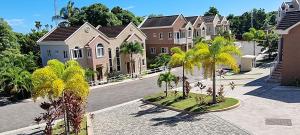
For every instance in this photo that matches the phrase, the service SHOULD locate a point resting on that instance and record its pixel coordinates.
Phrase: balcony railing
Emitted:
(180, 40)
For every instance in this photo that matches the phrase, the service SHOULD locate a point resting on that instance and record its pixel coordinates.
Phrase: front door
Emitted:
(99, 73)
(128, 67)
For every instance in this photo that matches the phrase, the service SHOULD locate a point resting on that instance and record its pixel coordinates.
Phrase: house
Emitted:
(166, 32)
(95, 48)
(287, 67)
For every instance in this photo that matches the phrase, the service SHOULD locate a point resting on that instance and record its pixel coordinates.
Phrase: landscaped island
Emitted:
(197, 103)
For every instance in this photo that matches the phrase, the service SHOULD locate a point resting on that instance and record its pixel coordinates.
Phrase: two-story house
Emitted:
(95, 48)
(166, 32)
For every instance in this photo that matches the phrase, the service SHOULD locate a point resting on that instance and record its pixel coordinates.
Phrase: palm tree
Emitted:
(38, 25)
(186, 60)
(66, 13)
(167, 78)
(131, 48)
(219, 52)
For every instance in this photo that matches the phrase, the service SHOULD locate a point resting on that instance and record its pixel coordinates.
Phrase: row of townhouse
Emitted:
(166, 32)
(97, 48)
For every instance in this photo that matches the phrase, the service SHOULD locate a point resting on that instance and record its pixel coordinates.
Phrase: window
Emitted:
(152, 50)
(110, 60)
(154, 34)
(89, 52)
(65, 54)
(143, 61)
(170, 35)
(118, 59)
(164, 50)
(49, 53)
(182, 34)
(190, 32)
(77, 53)
(160, 35)
(100, 50)
(177, 35)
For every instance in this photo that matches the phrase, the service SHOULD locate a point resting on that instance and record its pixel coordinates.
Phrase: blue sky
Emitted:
(21, 14)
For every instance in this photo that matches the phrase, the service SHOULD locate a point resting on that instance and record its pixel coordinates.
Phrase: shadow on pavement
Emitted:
(173, 120)
(266, 90)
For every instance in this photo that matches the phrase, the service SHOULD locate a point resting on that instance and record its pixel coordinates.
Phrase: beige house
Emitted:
(95, 48)
(166, 32)
(285, 7)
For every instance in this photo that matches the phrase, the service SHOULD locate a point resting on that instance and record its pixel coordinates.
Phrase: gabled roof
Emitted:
(112, 31)
(289, 19)
(191, 19)
(208, 19)
(61, 33)
(159, 21)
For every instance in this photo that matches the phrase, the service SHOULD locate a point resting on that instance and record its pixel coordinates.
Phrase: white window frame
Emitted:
(154, 34)
(118, 57)
(66, 54)
(77, 51)
(152, 50)
(164, 48)
(161, 36)
(170, 35)
(100, 48)
(49, 53)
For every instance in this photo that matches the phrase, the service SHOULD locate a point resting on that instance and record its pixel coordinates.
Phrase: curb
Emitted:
(89, 126)
(192, 113)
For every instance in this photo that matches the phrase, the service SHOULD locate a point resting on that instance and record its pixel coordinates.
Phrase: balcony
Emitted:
(180, 41)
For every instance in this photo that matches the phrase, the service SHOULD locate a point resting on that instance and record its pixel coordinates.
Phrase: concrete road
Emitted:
(19, 115)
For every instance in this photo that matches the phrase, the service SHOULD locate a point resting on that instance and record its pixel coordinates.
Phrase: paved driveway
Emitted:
(140, 119)
(19, 115)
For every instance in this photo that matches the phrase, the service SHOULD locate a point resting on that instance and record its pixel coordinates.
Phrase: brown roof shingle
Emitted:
(208, 19)
(289, 19)
(191, 19)
(159, 21)
(112, 31)
(61, 33)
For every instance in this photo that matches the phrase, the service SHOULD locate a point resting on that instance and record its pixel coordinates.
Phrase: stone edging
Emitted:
(89, 126)
(187, 112)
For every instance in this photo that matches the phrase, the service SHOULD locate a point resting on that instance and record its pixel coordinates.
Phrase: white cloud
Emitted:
(129, 7)
(15, 22)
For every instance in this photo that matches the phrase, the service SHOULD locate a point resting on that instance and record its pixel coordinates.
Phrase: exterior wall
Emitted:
(57, 52)
(158, 48)
(154, 38)
(291, 56)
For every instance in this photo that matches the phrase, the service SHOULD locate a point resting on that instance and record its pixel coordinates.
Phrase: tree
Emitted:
(219, 52)
(65, 83)
(186, 60)
(255, 36)
(211, 12)
(131, 48)
(167, 78)
(38, 25)
(66, 13)
(161, 60)
(270, 43)
(7, 37)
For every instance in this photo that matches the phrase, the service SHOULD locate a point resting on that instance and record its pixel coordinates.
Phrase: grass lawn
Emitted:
(190, 103)
(58, 129)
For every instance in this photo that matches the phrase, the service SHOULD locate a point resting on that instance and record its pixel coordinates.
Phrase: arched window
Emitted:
(189, 32)
(118, 59)
(99, 50)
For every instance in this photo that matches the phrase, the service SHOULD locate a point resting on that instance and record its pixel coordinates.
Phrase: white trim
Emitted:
(75, 31)
(46, 35)
(132, 24)
(196, 21)
(286, 31)
(178, 18)
(142, 22)
(159, 27)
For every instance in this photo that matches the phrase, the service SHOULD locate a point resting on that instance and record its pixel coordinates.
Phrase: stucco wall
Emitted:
(57, 52)
(156, 40)
(291, 57)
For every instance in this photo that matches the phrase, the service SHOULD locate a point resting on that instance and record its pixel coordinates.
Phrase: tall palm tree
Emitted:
(186, 60)
(66, 13)
(219, 52)
(131, 48)
(167, 78)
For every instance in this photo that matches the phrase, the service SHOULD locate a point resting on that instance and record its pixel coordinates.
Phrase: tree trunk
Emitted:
(183, 83)
(66, 121)
(166, 89)
(131, 65)
(214, 84)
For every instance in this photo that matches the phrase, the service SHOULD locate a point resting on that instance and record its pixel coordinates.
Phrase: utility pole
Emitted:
(55, 12)
(252, 18)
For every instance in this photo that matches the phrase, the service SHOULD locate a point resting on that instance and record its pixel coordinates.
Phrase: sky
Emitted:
(21, 14)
